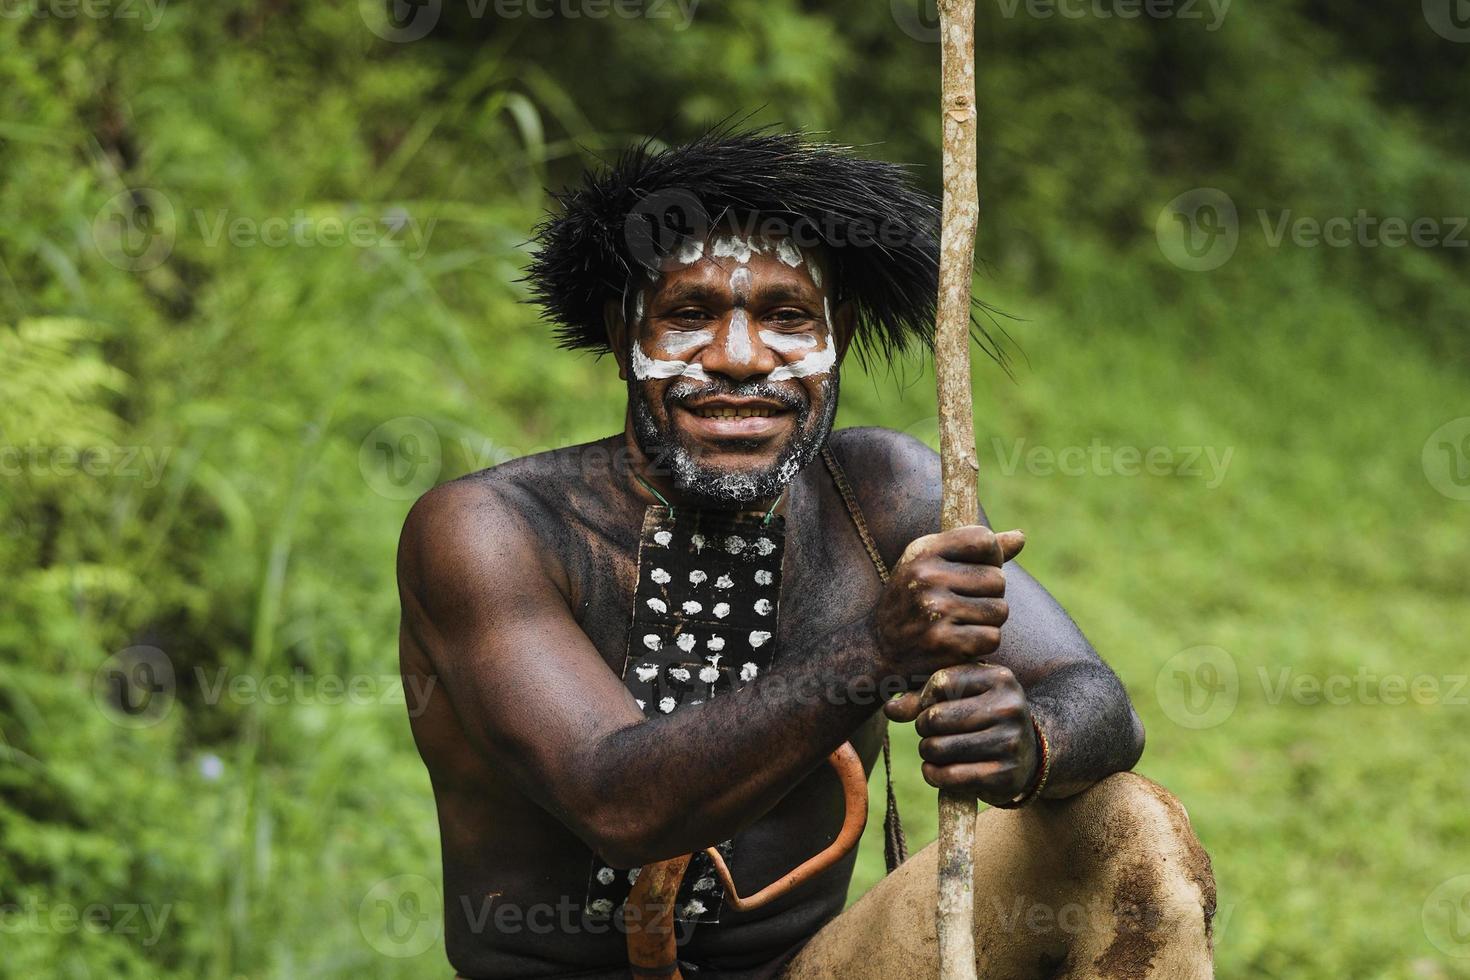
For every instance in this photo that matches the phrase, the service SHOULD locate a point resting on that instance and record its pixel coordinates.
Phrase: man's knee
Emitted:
(1157, 886)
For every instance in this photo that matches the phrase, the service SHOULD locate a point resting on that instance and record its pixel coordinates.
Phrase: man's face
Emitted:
(732, 364)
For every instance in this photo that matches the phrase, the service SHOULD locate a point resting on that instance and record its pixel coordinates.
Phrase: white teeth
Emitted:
(734, 413)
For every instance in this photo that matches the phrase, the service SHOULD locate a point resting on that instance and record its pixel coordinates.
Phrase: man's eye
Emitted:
(689, 315)
(789, 317)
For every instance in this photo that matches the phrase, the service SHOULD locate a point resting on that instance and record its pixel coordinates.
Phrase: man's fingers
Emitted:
(965, 610)
(950, 684)
(960, 683)
(982, 746)
(904, 708)
(974, 544)
(999, 704)
(967, 774)
(1011, 543)
(963, 579)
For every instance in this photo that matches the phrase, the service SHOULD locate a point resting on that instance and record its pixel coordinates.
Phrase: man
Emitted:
(648, 645)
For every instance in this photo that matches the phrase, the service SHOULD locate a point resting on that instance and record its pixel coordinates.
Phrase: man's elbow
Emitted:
(630, 837)
(1134, 740)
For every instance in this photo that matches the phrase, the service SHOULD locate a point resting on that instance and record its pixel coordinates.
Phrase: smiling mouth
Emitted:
(722, 412)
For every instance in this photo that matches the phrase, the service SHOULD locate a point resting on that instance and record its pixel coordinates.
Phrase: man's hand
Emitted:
(976, 731)
(942, 611)
(944, 604)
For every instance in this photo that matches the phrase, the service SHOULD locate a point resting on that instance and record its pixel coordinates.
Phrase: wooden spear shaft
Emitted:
(960, 219)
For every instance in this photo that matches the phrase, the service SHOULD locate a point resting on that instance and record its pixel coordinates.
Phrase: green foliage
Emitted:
(196, 418)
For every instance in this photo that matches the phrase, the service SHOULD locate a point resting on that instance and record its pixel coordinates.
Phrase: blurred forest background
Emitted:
(258, 268)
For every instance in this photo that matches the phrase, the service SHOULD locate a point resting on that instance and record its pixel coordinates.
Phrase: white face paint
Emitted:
(816, 275)
(817, 362)
(788, 343)
(690, 252)
(789, 253)
(737, 248)
(737, 338)
(646, 368)
(678, 343)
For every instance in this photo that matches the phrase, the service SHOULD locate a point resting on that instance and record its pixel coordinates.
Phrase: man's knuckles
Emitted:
(982, 746)
(973, 543)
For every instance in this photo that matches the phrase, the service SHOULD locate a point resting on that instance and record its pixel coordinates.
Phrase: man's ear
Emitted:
(617, 334)
(844, 326)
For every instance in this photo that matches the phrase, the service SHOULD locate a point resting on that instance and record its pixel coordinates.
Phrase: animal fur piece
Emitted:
(880, 232)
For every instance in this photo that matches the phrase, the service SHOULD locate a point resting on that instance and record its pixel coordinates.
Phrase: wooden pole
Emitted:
(955, 907)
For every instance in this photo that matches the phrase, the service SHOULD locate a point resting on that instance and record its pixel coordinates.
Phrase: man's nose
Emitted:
(737, 351)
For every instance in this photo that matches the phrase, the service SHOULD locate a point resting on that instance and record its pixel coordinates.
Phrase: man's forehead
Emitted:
(713, 261)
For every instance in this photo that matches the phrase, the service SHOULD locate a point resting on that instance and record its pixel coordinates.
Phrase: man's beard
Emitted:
(692, 477)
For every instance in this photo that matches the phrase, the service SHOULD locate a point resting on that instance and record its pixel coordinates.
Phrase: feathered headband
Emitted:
(879, 232)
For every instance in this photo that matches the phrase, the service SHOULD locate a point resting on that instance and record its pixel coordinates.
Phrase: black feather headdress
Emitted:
(878, 231)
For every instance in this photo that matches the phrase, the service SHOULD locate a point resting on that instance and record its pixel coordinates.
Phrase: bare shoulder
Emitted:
(895, 478)
(470, 535)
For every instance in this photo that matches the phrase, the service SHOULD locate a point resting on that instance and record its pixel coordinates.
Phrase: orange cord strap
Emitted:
(849, 770)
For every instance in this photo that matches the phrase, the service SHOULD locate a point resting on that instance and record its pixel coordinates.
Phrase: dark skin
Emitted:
(517, 584)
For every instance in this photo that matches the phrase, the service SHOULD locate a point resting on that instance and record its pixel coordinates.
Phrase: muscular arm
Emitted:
(1090, 723)
(537, 700)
